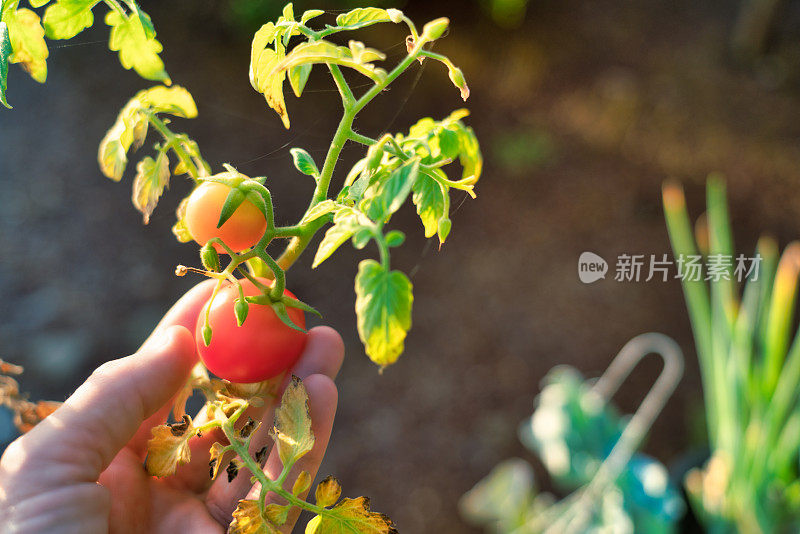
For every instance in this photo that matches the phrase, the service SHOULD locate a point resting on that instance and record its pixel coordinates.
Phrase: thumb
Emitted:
(99, 419)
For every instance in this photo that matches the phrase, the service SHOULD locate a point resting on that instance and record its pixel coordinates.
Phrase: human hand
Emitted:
(81, 469)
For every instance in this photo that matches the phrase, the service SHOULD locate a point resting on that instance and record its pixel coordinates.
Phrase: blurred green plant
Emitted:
(523, 151)
(506, 13)
(587, 448)
(750, 365)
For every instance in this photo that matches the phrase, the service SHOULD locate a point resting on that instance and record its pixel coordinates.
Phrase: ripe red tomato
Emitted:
(244, 228)
(262, 348)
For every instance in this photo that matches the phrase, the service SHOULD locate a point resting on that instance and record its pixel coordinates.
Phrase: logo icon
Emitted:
(591, 267)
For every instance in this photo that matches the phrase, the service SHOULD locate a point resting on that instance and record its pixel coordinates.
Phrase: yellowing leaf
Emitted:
(136, 49)
(302, 483)
(27, 41)
(345, 224)
(168, 448)
(366, 16)
(430, 198)
(247, 519)
(152, 176)
(351, 516)
(292, 429)
(5, 54)
(67, 18)
(175, 100)
(328, 492)
(383, 307)
(263, 60)
(112, 153)
(326, 52)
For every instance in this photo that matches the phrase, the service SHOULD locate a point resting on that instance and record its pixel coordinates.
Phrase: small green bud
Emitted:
(435, 29)
(240, 308)
(457, 77)
(395, 238)
(395, 15)
(210, 258)
(207, 334)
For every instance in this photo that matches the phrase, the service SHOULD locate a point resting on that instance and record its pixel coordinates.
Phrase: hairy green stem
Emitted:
(172, 142)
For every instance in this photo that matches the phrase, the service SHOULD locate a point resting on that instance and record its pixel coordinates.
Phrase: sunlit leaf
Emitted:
(326, 52)
(386, 196)
(350, 516)
(67, 18)
(304, 162)
(28, 46)
(5, 54)
(152, 176)
(247, 519)
(136, 49)
(328, 492)
(365, 16)
(112, 153)
(430, 198)
(292, 429)
(323, 208)
(310, 14)
(383, 307)
(263, 61)
(298, 76)
(168, 448)
(175, 100)
(345, 223)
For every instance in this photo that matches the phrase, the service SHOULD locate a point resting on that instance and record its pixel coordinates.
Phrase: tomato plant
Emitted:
(233, 213)
(259, 348)
(242, 230)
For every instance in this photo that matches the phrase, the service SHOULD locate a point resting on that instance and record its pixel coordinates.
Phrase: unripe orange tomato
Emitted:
(242, 231)
(262, 348)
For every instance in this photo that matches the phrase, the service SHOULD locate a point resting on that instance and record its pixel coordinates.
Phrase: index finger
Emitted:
(185, 311)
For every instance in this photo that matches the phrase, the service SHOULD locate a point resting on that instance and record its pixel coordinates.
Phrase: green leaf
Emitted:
(366, 16)
(67, 18)
(470, 154)
(5, 53)
(310, 14)
(27, 41)
(385, 197)
(152, 176)
(263, 76)
(136, 50)
(38, 3)
(323, 208)
(430, 198)
(298, 76)
(304, 162)
(350, 516)
(292, 427)
(395, 238)
(356, 57)
(175, 100)
(383, 307)
(346, 222)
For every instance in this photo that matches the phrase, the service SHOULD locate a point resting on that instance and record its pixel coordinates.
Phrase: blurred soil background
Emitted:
(583, 109)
